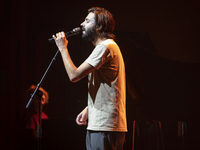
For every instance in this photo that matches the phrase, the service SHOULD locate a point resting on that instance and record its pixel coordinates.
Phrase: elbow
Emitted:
(73, 79)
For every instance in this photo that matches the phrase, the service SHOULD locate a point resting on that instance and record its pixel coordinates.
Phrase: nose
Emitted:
(82, 24)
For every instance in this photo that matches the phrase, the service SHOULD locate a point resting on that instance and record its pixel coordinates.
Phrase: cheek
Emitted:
(90, 25)
(92, 22)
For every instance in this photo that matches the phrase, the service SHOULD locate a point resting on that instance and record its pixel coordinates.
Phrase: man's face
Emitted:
(89, 32)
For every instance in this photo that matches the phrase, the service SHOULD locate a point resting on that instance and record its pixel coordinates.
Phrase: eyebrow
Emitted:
(86, 19)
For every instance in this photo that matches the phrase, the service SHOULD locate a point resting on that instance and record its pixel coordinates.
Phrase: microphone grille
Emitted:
(77, 30)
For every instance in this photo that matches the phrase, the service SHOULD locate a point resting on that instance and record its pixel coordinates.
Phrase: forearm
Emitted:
(85, 111)
(70, 68)
(75, 74)
(86, 108)
(69, 65)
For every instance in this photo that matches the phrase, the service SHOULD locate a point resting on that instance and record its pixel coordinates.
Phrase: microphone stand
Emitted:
(76, 31)
(39, 84)
(39, 94)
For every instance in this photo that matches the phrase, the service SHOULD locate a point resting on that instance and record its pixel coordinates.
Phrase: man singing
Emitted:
(106, 110)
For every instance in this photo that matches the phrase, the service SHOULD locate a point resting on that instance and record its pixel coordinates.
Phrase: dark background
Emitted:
(159, 41)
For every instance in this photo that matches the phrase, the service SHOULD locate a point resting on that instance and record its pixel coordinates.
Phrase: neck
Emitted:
(98, 40)
(36, 109)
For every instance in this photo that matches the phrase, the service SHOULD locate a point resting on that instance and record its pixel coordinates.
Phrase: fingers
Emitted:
(80, 121)
(59, 35)
(62, 34)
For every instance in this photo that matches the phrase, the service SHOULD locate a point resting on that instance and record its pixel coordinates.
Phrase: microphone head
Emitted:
(77, 30)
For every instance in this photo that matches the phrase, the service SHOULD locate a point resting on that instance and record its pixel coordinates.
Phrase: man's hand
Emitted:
(82, 117)
(61, 40)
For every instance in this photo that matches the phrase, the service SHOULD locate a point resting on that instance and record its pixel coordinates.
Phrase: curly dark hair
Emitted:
(105, 22)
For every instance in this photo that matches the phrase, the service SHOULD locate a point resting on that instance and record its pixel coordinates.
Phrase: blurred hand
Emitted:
(81, 119)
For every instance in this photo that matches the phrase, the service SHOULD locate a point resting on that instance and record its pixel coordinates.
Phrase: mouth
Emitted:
(83, 30)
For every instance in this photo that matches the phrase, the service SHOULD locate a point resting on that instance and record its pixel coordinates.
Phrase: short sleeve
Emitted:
(98, 56)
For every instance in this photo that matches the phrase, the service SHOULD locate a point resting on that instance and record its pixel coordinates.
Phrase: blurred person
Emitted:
(28, 126)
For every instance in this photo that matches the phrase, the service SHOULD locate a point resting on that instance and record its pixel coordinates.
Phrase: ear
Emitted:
(43, 100)
(98, 28)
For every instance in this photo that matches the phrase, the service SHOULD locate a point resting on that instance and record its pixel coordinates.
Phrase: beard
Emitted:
(89, 35)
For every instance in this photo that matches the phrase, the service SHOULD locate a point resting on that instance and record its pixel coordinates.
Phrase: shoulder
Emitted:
(44, 116)
(110, 44)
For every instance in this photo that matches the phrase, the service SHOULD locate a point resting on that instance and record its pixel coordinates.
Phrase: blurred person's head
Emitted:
(35, 101)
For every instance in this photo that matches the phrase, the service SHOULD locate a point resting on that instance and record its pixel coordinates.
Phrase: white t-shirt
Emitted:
(107, 89)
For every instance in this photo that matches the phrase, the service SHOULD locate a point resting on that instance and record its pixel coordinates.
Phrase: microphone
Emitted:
(75, 31)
